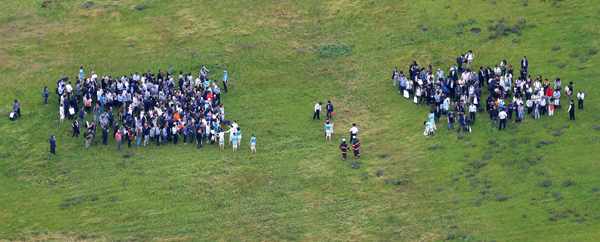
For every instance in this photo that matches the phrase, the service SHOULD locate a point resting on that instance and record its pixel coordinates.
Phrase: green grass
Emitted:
(278, 56)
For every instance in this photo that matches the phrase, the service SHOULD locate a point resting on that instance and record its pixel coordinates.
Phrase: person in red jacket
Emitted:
(356, 147)
(344, 147)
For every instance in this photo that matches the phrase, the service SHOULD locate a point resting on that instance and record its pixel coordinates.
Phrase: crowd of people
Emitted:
(147, 109)
(458, 93)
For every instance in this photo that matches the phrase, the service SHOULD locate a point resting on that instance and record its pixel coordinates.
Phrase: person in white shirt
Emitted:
(69, 88)
(317, 111)
(353, 132)
(580, 97)
(469, 56)
(502, 117)
(94, 76)
(472, 112)
(497, 71)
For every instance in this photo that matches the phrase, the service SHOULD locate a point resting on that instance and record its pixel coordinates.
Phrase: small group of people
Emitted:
(460, 91)
(148, 107)
(329, 130)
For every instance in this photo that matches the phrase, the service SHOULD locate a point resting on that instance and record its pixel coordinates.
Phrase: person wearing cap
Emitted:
(317, 111)
(252, 144)
(356, 147)
(470, 56)
(344, 149)
(52, 144)
(225, 80)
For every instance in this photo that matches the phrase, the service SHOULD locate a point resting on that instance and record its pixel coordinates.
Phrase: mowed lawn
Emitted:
(524, 184)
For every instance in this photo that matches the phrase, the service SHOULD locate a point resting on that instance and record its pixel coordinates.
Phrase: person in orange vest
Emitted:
(344, 147)
(356, 147)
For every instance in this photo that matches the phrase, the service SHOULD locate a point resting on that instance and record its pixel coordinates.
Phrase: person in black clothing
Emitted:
(104, 135)
(437, 114)
(356, 147)
(344, 149)
(524, 64)
(481, 76)
(329, 109)
(459, 62)
(75, 128)
(52, 145)
(571, 111)
(199, 137)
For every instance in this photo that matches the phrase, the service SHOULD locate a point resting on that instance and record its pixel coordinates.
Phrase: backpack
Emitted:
(88, 102)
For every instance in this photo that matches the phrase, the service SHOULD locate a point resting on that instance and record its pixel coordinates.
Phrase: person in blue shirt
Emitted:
(428, 128)
(81, 73)
(225, 80)
(239, 134)
(234, 138)
(253, 144)
(432, 120)
(185, 133)
(165, 133)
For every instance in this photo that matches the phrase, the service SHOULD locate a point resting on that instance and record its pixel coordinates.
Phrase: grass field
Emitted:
(282, 57)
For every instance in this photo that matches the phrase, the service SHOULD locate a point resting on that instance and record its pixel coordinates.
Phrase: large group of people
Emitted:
(147, 108)
(458, 93)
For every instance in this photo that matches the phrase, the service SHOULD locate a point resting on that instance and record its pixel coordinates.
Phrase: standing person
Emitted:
(344, 148)
(88, 138)
(253, 144)
(432, 120)
(199, 137)
(353, 132)
(451, 118)
(329, 109)
(472, 112)
(45, 95)
(97, 112)
(580, 96)
(328, 130)
(17, 108)
(225, 80)
(129, 136)
(75, 128)
(118, 138)
(105, 131)
(459, 61)
(138, 135)
(494, 115)
(235, 142)
(147, 131)
(502, 115)
(503, 65)
(395, 76)
(239, 134)
(537, 110)
(462, 121)
(81, 75)
(524, 63)
(62, 113)
(551, 107)
(317, 111)
(175, 133)
(52, 145)
(470, 56)
(571, 110)
(356, 147)
(221, 137)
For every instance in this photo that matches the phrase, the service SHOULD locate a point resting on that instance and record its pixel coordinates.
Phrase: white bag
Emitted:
(415, 99)
(71, 111)
(406, 95)
(12, 114)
